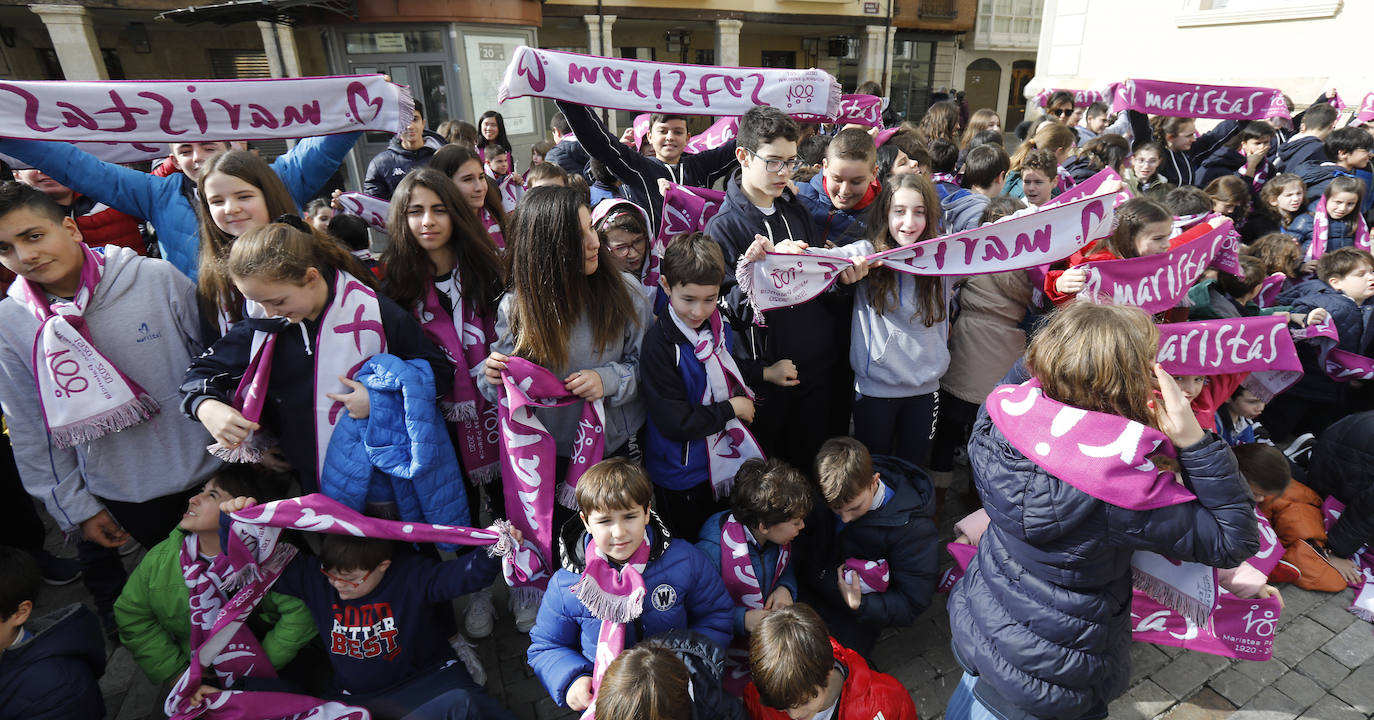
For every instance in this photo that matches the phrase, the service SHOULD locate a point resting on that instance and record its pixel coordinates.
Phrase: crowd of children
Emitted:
(731, 503)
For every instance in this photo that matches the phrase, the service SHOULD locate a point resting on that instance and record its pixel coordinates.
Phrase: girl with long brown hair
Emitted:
(900, 329)
(464, 166)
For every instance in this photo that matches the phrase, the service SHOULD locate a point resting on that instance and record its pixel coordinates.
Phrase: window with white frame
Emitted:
(1008, 23)
(1229, 12)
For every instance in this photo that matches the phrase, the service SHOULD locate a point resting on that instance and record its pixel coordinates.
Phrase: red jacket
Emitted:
(867, 694)
(102, 225)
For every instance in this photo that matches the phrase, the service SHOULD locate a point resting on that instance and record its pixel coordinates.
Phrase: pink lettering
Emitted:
(73, 116)
(580, 74)
(308, 113)
(124, 111)
(232, 109)
(30, 107)
(164, 121)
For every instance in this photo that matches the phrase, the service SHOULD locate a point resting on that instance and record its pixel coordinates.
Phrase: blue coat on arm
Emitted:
(1043, 615)
(764, 560)
(166, 202)
(400, 453)
(682, 592)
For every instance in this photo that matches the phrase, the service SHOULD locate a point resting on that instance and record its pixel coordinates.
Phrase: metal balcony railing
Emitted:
(938, 9)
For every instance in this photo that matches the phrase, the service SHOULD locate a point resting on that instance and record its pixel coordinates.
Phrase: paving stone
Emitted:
(915, 672)
(1352, 646)
(1301, 688)
(1265, 672)
(941, 657)
(1143, 702)
(1205, 704)
(1357, 690)
(1331, 708)
(1333, 614)
(1235, 686)
(1299, 639)
(1145, 660)
(932, 697)
(1269, 704)
(1296, 601)
(1323, 669)
(1188, 672)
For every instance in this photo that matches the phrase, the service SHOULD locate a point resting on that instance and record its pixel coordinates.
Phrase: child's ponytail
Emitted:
(281, 252)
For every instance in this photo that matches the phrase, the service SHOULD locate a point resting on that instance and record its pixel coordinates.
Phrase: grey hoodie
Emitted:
(618, 366)
(894, 355)
(144, 319)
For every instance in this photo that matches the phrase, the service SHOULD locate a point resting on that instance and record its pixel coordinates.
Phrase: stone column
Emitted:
(599, 43)
(279, 43)
(875, 39)
(727, 42)
(73, 38)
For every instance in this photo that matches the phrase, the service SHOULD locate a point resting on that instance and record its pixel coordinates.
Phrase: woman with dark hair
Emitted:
(491, 128)
(464, 166)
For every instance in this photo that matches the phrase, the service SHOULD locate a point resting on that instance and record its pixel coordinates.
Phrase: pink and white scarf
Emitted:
(1191, 100)
(510, 190)
(350, 332)
(1048, 235)
(615, 596)
(529, 454)
(1365, 113)
(493, 227)
(1155, 283)
(733, 445)
(1340, 365)
(866, 110)
(1270, 288)
(373, 210)
(742, 582)
(465, 337)
(83, 395)
(721, 131)
(645, 86)
(685, 210)
(169, 111)
(1321, 230)
(873, 575)
(1260, 346)
(1081, 98)
(1109, 458)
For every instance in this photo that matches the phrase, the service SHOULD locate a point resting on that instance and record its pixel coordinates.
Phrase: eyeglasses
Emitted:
(1062, 112)
(625, 250)
(355, 584)
(774, 166)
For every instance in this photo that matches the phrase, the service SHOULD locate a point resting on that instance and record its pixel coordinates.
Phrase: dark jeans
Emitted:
(150, 521)
(953, 426)
(900, 427)
(440, 694)
(790, 423)
(685, 511)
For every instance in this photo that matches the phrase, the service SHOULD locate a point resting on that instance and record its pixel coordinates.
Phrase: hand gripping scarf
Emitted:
(529, 455)
(465, 337)
(1363, 607)
(83, 395)
(350, 332)
(1340, 365)
(734, 444)
(615, 597)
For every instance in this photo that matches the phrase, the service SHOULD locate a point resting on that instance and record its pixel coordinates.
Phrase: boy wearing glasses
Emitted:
(801, 345)
(382, 613)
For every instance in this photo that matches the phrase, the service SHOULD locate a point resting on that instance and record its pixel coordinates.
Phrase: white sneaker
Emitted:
(480, 617)
(525, 610)
(468, 655)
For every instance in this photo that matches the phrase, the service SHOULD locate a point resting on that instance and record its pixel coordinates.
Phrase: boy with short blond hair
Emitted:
(869, 558)
(801, 672)
(617, 534)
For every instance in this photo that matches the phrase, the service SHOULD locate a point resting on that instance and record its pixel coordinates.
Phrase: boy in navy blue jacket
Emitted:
(876, 510)
(379, 612)
(682, 422)
(1347, 153)
(682, 591)
(805, 347)
(770, 501)
(1343, 295)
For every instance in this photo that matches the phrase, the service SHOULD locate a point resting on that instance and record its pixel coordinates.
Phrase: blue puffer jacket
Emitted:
(1340, 234)
(1043, 615)
(400, 453)
(763, 560)
(166, 202)
(682, 592)
(835, 225)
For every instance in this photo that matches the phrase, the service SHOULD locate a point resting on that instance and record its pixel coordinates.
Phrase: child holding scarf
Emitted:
(1074, 469)
(111, 331)
(624, 580)
(1335, 222)
(316, 323)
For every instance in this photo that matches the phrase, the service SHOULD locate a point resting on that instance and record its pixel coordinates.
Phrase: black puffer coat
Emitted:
(1341, 466)
(1043, 614)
